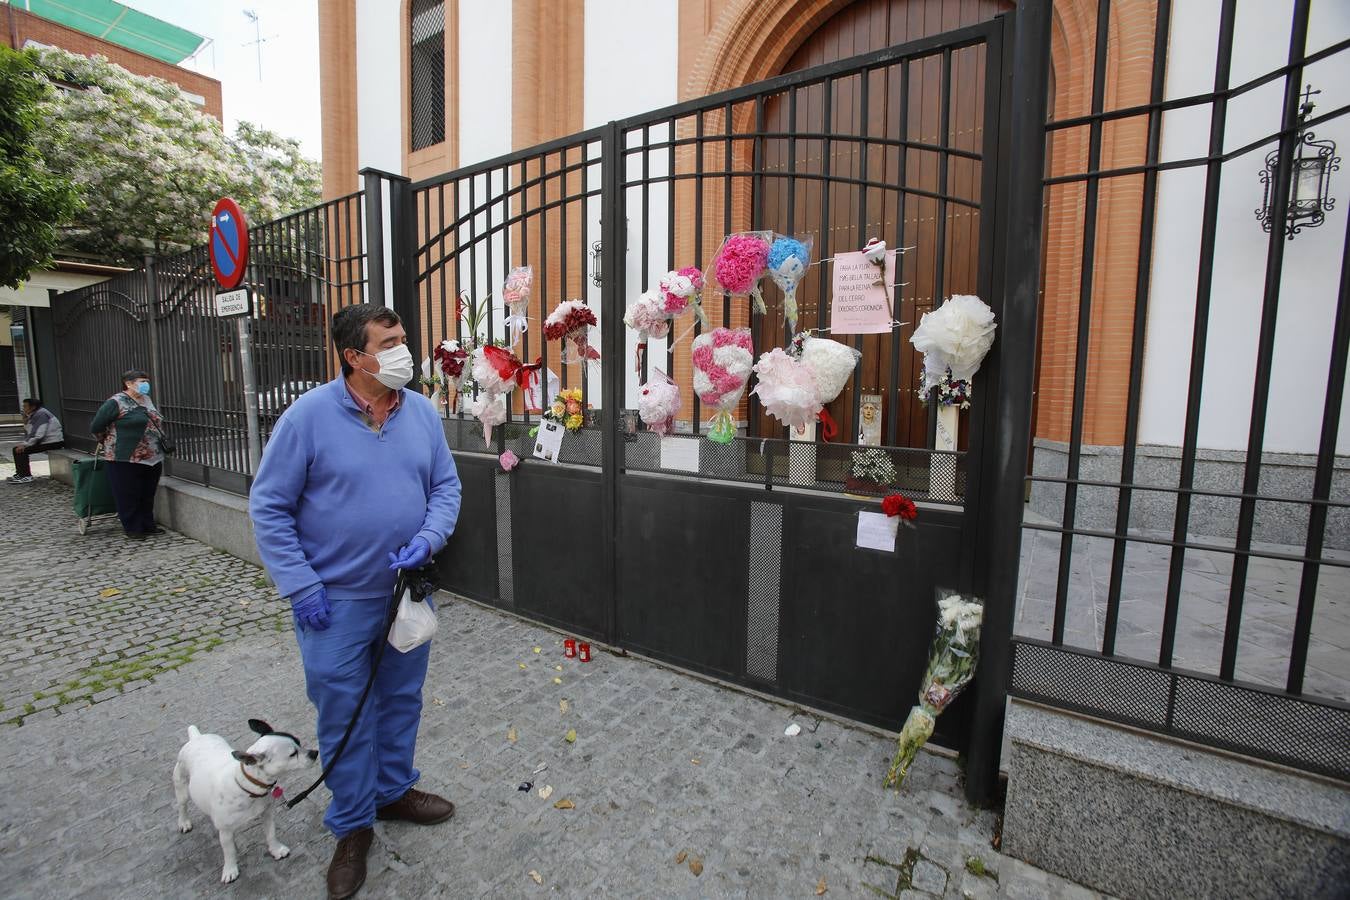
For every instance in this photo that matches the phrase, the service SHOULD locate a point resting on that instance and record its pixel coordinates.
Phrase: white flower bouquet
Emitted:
(951, 666)
(955, 336)
(870, 469)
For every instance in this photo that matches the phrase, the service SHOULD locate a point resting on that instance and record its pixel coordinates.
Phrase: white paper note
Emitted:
(680, 453)
(876, 531)
(549, 441)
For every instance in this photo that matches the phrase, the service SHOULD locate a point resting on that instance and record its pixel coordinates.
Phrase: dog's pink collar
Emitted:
(267, 788)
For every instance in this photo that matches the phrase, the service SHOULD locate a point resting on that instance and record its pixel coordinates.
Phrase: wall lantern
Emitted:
(1310, 178)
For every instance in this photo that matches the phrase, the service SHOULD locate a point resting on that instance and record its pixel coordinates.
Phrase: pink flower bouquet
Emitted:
(490, 409)
(740, 263)
(723, 359)
(658, 402)
(682, 289)
(787, 389)
(516, 296)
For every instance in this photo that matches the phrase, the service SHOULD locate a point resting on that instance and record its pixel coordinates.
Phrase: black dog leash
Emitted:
(421, 589)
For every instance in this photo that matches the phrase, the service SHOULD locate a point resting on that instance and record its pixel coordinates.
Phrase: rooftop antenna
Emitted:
(258, 40)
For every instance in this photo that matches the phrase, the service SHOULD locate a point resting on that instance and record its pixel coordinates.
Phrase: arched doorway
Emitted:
(895, 108)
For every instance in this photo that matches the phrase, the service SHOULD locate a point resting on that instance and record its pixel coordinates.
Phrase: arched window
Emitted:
(427, 73)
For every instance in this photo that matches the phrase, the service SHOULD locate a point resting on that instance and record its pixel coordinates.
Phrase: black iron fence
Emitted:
(874, 146)
(161, 318)
(1223, 628)
(739, 559)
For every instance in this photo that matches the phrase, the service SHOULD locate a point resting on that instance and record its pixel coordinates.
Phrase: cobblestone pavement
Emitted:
(678, 787)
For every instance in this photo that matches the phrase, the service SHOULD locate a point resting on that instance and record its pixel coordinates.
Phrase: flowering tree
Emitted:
(150, 164)
(34, 199)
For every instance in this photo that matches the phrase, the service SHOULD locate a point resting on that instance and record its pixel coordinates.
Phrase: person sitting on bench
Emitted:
(42, 432)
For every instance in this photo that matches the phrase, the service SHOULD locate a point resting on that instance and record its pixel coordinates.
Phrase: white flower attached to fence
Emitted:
(955, 336)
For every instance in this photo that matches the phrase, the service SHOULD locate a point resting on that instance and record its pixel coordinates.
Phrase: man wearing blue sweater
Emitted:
(356, 483)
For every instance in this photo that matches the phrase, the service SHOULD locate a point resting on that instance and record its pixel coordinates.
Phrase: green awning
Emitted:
(121, 25)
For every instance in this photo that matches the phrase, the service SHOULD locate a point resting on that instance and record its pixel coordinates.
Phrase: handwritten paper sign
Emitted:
(862, 302)
(877, 531)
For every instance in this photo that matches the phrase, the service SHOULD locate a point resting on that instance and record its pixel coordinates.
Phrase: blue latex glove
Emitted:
(312, 610)
(413, 555)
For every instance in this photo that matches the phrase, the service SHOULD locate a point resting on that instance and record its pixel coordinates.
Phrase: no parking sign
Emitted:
(229, 243)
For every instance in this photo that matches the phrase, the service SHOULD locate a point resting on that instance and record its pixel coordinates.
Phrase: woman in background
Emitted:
(129, 430)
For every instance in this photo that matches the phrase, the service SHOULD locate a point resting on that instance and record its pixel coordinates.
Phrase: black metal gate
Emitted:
(739, 560)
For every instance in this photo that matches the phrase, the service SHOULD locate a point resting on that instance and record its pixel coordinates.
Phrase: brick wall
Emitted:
(1115, 258)
(19, 27)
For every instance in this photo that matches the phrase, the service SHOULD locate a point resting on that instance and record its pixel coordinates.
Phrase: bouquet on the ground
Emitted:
(723, 359)
(954, 339)
(682, 289)
(570, 322)
(658, 402)
(740, 263)
(951, 666)
(516, 296)
(567, 409)
(788, 261)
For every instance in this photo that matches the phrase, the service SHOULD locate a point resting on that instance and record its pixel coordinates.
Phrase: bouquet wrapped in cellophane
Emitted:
(951, 666)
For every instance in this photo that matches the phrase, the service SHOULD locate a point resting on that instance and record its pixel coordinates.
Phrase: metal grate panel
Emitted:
(1113, 689)
(1263, 724)
(505, 567)
(1307, 735)
(427, 73)
(766, 569)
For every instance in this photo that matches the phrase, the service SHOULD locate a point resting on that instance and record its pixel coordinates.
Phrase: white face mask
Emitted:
(396, 366)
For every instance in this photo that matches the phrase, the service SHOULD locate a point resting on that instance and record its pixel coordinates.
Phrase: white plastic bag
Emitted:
(414, 623)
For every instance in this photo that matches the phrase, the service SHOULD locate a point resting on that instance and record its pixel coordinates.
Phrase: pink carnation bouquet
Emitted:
(786, 388)
(570, 322)
(740, 263)
(658, 402)
(647, 316)
(682, 289)
(516, 296)
(723, 359)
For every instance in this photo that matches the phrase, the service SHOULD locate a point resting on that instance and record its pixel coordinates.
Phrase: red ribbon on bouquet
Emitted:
(828, 428)
(509, 368)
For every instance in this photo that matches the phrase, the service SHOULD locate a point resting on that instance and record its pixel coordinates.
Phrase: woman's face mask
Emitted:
(143, 388)
(396, 366)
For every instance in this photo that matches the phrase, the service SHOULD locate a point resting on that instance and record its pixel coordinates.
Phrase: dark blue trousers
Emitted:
(133, 488)
(377, 767)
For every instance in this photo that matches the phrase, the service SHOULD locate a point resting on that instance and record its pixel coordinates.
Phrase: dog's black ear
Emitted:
(247, 759)
(259, 726)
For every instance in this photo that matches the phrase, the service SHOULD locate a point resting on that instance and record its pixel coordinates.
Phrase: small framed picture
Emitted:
(628, 424)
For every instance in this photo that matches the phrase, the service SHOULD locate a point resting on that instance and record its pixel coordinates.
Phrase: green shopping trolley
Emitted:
(93, 493)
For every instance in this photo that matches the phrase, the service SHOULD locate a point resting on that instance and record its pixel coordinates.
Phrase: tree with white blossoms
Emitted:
(150, 164)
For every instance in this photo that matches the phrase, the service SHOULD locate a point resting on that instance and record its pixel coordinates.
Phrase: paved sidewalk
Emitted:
(668, 773)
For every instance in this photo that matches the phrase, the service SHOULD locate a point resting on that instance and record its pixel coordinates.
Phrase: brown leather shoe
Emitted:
(347, 871)
(418, 807)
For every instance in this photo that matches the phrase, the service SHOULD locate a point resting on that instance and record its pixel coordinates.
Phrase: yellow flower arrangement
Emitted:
(568, 408)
